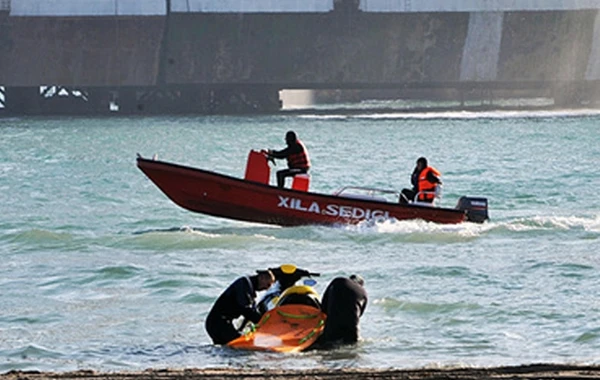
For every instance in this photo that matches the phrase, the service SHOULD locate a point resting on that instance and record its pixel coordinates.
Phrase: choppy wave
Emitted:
(190, 238)
(557, 223)
(31, 351)
(32, 357)
(114, 272)
(39, 236)
(392, 304)
(238, 237)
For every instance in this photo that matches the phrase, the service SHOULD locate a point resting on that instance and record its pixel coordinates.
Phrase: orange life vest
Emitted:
(426, 186)
(299, 160)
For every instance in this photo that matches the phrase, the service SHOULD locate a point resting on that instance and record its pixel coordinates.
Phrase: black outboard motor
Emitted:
(475, 208)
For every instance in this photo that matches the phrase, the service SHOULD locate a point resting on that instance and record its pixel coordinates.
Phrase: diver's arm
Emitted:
(252, 314)
(245, 300)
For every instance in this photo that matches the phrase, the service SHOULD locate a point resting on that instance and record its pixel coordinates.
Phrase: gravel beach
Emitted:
(545, 371)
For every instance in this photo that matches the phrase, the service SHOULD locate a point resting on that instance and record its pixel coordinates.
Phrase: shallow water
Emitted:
(101, 271)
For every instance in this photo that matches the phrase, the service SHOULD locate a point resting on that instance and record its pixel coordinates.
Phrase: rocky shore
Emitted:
(542, 371)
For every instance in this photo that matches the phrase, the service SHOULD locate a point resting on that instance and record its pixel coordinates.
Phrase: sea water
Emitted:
(100, 270)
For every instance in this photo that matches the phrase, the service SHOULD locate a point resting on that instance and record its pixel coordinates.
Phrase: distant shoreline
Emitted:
(335, 109)
(534, 371)
(434, 109)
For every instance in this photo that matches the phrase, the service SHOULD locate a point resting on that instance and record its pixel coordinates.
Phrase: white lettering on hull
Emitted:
(335, 210)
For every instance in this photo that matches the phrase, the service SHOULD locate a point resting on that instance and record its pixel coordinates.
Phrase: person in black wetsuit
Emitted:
(296, 155)
(344, 302)
(237, 300)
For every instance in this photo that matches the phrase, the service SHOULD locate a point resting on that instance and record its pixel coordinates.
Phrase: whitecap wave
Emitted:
(560, 223)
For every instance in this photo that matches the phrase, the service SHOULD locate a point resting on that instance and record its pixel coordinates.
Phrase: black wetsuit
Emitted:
(238, 299)
(344, 302)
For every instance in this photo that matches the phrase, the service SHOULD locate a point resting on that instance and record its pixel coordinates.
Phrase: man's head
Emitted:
(421, 163)
(265, 279)
(358, 279)
(290, 137)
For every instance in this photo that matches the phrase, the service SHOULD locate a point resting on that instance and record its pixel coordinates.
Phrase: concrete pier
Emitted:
(198, 57)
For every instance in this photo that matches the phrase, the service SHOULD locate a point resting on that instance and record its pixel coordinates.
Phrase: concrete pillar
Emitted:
(593, 67)
(482, 47)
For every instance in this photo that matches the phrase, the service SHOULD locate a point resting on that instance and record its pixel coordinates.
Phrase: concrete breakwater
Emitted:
(211, 61)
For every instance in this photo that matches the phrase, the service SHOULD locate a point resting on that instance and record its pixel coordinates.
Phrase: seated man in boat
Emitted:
(239, 299)
(425, 180)
(296, 155)
(344, 302)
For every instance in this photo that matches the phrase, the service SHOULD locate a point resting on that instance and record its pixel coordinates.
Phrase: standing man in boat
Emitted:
(296, 155)
(425, 180)
(239, 299)
(344, 302)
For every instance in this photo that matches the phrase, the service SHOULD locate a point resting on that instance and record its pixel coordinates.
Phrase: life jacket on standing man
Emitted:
(296, 155)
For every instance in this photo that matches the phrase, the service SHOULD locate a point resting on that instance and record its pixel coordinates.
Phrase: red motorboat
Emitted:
(253, 199)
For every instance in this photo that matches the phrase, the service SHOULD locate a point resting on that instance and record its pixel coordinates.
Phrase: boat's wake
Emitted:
(416, 230)
(422, 228)
(409, 231)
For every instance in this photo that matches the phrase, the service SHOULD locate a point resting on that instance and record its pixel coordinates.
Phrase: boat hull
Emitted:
(219, 195)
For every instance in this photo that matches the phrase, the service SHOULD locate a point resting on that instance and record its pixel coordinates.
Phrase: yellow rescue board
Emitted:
(286, 328)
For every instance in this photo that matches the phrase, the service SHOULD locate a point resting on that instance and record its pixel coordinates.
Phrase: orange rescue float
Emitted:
(293, 325)
(287, 328)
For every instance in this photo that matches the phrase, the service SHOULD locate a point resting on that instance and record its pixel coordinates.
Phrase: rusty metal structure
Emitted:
(215, 56)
